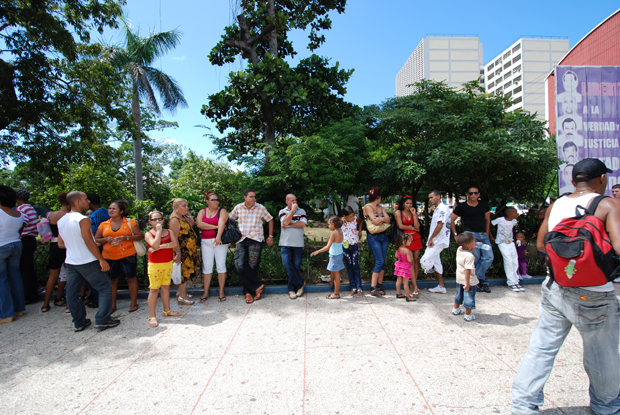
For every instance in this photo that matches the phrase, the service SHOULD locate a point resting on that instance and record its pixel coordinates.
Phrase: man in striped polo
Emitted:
(29, 242)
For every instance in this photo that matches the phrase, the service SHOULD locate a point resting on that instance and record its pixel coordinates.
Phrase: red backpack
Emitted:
(579, 251)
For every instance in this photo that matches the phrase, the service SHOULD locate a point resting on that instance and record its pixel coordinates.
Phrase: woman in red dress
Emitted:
(407, 220)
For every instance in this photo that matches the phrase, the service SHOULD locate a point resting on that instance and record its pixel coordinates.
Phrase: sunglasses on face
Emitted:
(157, 219)
(214, 200)
(474, 193)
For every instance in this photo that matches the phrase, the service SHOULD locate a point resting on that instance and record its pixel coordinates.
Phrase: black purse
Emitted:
(231, 233)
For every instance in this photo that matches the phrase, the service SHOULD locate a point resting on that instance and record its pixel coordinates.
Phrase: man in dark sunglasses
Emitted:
(476, 217)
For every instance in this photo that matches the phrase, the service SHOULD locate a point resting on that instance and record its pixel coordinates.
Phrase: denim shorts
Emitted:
(467, 298)
(124, 267)
(335, 263)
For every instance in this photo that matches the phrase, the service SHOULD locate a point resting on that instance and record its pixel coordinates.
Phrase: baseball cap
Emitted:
(592, 168)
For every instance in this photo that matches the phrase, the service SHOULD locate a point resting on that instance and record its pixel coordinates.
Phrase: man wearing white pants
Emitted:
(505, 242)
(438, 240)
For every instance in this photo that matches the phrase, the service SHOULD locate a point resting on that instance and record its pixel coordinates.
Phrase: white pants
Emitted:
(432, 259)
(211, 252)
(511, 262)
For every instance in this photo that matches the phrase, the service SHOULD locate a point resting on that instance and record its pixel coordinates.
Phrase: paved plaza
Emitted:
(280, 356)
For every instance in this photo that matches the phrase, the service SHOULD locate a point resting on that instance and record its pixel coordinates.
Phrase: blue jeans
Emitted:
(11, 285)
(595, 315)
(99, 280)
(352, 262)
(247, 262)
(378, 244)
(466, 297)
(291, 259)
(484, 259)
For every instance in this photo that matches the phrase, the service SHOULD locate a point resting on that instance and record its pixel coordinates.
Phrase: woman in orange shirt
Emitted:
(117, 236)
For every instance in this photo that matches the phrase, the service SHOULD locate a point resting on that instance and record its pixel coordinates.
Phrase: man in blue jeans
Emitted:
(476, 217)
(593, 310)
(84, 263)
(293, 220)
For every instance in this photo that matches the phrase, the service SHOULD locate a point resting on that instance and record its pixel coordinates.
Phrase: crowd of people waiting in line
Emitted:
(99, 249)
(116, 238)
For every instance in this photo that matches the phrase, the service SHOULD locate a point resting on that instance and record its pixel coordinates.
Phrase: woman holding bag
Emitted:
(212, 221)
(181, 224)
(117, 235)
(377, 223)
(161, 243)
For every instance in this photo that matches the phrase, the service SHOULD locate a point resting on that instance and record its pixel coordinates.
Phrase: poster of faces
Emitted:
(587, 124)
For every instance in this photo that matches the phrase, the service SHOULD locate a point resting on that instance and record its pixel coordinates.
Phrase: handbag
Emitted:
(374, 229)
(140, 248)
(176, 273)
(231, 233)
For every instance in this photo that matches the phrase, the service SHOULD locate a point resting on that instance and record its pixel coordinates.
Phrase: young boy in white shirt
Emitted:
(466, 280)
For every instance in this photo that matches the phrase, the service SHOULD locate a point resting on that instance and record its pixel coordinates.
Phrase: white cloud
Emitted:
(179, 58)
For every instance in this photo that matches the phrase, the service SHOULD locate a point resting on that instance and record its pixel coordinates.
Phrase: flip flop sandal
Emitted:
(249, 299)
(134, 307)
(153, 322)
(222, 299)
(67, 311)
(171, 313)
(203, 299)
(400, 296)
(329, 297)
(59, 302)
(45, 309)
(410, 299)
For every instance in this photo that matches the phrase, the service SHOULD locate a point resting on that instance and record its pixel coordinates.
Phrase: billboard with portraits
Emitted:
(587, 109)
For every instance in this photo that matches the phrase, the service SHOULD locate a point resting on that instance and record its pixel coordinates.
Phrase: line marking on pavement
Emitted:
(462, 326)
(399, 356)
(137, 358)
(29, 333)
(222, 358)
(303, 408)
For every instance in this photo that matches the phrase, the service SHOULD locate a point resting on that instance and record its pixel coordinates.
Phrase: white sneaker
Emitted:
(520, 288)
(514, 288)
(438, 290)
(527, 277)
(292, 295)
(457, 311)
(617, 279)
(469, 317)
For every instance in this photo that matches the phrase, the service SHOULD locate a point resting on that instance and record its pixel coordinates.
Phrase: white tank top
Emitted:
(70, 232)
(9, 228)
(565, 207)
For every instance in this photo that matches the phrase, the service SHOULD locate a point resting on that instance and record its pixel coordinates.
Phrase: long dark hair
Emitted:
(401, 203)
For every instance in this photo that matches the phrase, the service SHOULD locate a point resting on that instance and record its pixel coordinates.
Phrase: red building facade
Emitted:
(598, 48)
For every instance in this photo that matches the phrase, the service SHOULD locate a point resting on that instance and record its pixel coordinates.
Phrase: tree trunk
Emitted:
(137, 143)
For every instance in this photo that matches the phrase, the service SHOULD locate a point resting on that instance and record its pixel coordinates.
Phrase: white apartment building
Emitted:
(454, 60)
(519, 72)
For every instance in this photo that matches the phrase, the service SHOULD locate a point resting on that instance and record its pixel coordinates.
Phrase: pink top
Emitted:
(402, 267)
(211, 233)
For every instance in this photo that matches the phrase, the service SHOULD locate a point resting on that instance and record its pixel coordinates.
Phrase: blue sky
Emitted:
(374, 38)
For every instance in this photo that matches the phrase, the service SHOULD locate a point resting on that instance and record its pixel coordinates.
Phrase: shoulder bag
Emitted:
(372, 228)
(140, 248)
(231, 233)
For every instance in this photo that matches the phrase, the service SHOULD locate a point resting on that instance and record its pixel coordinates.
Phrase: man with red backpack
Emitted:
(575, 294)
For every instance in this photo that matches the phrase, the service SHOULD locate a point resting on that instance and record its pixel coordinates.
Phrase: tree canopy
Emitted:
(270, 99)
(449, 139)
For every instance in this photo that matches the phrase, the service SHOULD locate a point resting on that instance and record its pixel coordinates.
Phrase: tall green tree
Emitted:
(271, 99)
(449, 139)
(136, 58)
(54, 94)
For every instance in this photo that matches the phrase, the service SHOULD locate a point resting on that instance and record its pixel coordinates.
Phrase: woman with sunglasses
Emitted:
(212, 221)
(161, 243)
(476, 217)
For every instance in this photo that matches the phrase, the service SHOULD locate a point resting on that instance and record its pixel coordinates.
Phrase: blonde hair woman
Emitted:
(181, 223)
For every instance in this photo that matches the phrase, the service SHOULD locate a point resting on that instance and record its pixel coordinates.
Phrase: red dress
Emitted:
(416, 242)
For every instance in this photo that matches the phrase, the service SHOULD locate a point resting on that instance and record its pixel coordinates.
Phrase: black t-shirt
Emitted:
(473, 217)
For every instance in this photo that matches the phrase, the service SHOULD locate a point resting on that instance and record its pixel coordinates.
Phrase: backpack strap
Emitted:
(594, 204)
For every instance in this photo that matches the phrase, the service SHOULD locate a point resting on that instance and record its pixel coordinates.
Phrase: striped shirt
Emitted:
(30, 220)
(250, 220)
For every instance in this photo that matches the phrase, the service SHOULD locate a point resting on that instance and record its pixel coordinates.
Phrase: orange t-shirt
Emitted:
(126, 248)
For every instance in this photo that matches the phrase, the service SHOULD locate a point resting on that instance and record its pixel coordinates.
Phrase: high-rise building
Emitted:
(519, 72)
(454, 60)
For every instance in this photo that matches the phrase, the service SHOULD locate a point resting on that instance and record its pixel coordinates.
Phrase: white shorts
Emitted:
(211, 252)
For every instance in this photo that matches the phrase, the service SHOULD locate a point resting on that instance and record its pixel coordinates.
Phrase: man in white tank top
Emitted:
(84, 263)
(592, 310)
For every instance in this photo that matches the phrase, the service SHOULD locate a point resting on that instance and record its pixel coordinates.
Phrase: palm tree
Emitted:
(136, 57)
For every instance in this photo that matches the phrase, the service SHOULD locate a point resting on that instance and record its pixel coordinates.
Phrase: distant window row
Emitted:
(506, 55)
(516, 48)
